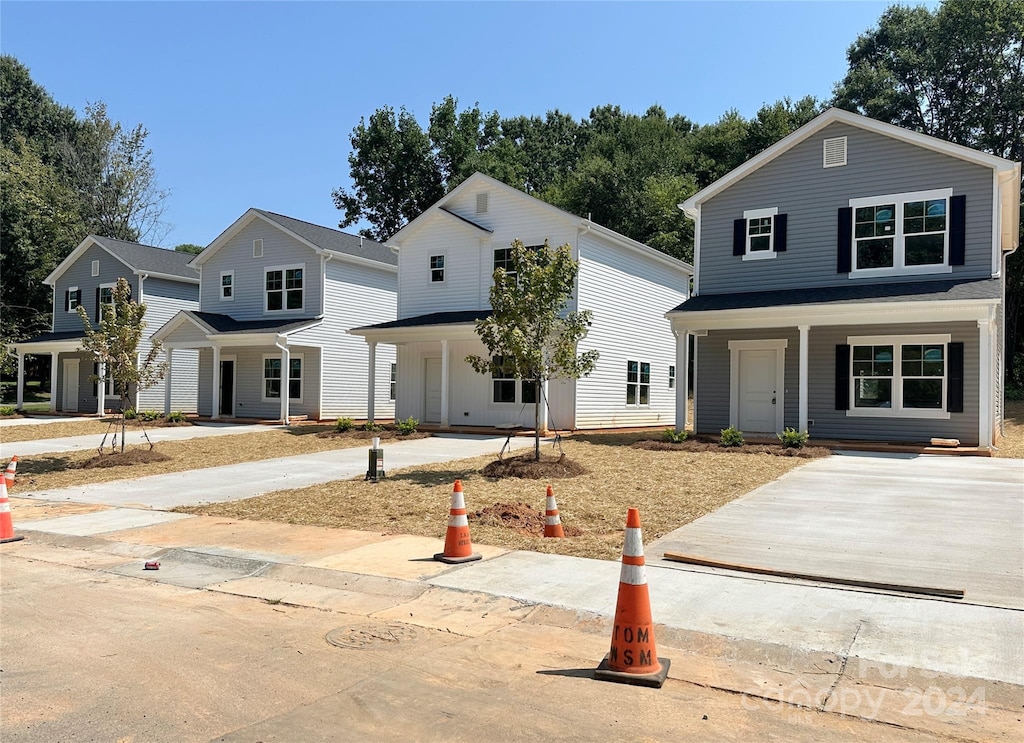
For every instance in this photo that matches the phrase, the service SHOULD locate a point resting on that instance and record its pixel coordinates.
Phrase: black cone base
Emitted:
(442, 557)
(654, 680)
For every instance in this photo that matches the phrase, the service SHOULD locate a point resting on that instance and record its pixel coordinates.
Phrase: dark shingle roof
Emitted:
(64, 335)
(145, 258)
(339, 242)
(912, 291)
(488, 230)
(461, 317)
(226, 324)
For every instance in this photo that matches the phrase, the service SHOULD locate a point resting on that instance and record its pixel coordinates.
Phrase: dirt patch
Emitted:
(697, 445)
(127, 458)
(520, 517)
(524, 466)
(360, 435)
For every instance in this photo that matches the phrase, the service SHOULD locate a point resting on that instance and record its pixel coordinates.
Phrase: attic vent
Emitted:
(95, 268)
(835, 152)
(257, 248)
(482, 202)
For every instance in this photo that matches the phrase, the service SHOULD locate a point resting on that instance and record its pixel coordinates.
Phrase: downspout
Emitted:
(323, 313)
(142, 277)
(285, 374)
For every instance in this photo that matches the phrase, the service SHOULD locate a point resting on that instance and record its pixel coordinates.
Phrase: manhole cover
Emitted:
(366, 636)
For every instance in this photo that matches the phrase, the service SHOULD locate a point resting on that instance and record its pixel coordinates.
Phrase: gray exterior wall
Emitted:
(87, 401)
(811, 195)
(713, 373)
(163, 298)
(80, 274)
(249, 382)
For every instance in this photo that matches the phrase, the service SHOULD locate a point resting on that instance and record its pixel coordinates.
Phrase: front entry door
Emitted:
(432, 392)
(227, 387)
(69, 399)
(758, 393)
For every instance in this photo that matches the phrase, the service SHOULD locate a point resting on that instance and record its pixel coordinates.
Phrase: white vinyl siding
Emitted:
(163, 299)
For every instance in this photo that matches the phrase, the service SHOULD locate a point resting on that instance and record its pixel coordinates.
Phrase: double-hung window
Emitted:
(503, 259)
(902, 233)
(285, 288)
(638, 383)
(436, 268)
(74, 299)
(227, 286)
(671, 377)
(273, 379)
(106, 299)
(759, 241)
(903, 376)
(394, 379)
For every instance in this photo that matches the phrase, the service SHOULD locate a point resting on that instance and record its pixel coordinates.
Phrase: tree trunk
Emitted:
(536, 430)
(124, 402)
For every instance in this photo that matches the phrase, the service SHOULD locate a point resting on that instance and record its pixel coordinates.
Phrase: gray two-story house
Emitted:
(277, 297)
(159, 278)
(849, 283)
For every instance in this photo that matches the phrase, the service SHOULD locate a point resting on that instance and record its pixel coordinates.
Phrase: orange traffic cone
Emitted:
(6, 524)
(552, 521)
(633, 658)
(458, 547)
(9, 472)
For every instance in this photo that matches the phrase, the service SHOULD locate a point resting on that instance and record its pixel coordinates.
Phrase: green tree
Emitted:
(957, 73)
(189, 248)
(115, 343)
(528, 334)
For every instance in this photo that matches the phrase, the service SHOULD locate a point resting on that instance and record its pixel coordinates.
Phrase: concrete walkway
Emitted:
(133, 435)
(38, 420)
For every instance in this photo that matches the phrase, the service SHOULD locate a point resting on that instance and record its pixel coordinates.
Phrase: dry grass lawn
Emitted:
(670, 488)
(1012, 444)
(55, 430)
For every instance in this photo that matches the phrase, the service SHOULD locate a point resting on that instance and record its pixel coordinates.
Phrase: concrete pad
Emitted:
(132, 437)
(27, 510)
(191, 569)
(102, 522)
(405, 557)
(465, 614)
(305, 594)
(260, 540)
(75, 558)
(38, 420)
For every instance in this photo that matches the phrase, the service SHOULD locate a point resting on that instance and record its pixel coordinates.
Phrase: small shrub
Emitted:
(344, 424)
(130, 414)
(372, 427)
(8, 410)
(150, 415)
(176, 416)
(731, 437)
(793, 439)
(671, 437)
(407, 426)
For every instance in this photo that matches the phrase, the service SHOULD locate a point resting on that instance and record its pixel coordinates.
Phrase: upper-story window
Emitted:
(227, 286)
(902, 233)
(74, 298)
(760, 234)
(437, 268)
(284, 288)
(106, 297)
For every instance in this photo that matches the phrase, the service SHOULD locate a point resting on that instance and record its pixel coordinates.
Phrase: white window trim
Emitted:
(759, 255)
(899, 253)
(393, 383)
(431, 269)
(95, 268)
(897, 342)
(111, 302)
(220, 286)
(257, 248)
(284, 378)
(284, 298)
(671, 376)
(639, 384)
(73, 306)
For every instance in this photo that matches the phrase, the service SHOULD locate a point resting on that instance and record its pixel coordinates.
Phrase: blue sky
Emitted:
(251, 104)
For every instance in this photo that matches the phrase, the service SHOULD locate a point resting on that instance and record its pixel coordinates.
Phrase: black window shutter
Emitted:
(67, 300)
(957, 230)
(99, 312)
(842, 377)
(780, 232)
(844, 240)
(739, 236)
(955, 377)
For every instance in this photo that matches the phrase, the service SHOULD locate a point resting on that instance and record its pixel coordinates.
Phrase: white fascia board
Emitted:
(424, 333)
(638, 247)
(237, 226)
(75, 254)
(312, 324)
(359, 261)
(45, 346)
(815, 315)
(175, 322)
(167, 276)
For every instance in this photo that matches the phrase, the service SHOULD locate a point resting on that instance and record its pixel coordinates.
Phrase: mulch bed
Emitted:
(702, 445)
(126, 458)
(385, 435)
(520, 517)
(524, 466)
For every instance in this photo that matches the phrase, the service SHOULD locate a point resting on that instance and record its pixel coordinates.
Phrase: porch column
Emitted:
(285, 376)
(371, 382)
(804, 336)
(215, 392)
(55, 360)
(444, 384)
(985, 387)
(101, 390)
(21, 380)
(682, 379)
(167, 382)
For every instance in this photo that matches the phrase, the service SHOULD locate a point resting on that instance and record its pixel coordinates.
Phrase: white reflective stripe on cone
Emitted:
(458, 500)
(550, 505)
(552, 520)
(5, 507)
(634, 545)
(458, 520)
(633, 575)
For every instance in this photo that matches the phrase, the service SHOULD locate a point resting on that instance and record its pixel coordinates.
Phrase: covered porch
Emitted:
(71, 371)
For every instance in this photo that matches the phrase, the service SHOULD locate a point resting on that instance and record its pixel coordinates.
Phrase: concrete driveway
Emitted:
(946, 522)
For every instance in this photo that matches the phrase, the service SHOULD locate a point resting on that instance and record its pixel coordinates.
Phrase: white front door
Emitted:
(69, 397)
(757, 377)
(432, 391)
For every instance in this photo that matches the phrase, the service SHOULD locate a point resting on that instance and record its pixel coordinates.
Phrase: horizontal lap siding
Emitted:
(163, 299)
(442, 235)
(798, 185)
(80, 274)
(249, 382)
(629, 297)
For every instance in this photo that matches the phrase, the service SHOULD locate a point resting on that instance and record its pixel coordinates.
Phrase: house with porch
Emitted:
(849, 283)
(446, 260)
(276, 297)
(159, 278)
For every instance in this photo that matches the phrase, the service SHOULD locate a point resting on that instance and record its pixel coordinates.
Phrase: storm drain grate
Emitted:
(369, 636)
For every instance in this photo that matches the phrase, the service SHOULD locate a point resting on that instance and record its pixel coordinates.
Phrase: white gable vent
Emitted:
(835, 152)
(482, 202)
(257, 248)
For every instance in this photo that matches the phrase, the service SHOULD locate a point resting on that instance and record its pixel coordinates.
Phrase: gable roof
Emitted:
(834, 115)
(317, 238)
(141, 259)
(478, 179)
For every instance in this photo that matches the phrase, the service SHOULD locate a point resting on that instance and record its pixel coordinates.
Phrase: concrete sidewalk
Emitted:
(39, 420)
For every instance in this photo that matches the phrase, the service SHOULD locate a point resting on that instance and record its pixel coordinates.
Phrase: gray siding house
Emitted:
(159, 278)
(277, 297)
(849, 283)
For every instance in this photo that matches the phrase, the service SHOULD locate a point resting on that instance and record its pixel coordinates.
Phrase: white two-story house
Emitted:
(277, 297)
(446, 260)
